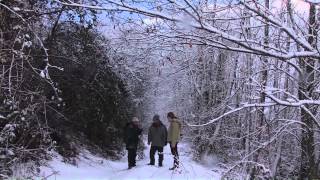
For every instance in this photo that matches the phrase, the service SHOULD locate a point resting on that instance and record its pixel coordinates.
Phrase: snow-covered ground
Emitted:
(96, 168)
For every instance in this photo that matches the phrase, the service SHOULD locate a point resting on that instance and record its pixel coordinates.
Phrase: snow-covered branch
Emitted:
(236, 43)
(231, 112)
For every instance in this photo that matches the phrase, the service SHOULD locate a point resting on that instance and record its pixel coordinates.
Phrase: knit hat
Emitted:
(135, 119)
(156, 118)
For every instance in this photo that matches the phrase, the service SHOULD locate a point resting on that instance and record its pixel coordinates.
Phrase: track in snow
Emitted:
(95, 168)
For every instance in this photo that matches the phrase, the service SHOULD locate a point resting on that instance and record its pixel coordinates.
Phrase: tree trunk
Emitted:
(264, 80)
(308, 166)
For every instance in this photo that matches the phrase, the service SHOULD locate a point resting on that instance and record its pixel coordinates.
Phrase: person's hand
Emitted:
(173, 145)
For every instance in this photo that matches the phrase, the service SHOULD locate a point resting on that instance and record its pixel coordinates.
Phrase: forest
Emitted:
(243, 77)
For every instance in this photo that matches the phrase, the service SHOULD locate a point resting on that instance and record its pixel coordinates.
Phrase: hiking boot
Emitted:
(151, 164)
(172, 168)
(131, 166)
(160, 165)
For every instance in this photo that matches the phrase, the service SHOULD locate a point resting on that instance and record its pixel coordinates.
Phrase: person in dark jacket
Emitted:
(157, 137)
(131, 137)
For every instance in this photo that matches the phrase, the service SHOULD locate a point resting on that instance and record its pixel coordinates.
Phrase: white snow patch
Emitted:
(2, 117)
(16, 9)
(42, 74)
(209, 160)
(96, 168)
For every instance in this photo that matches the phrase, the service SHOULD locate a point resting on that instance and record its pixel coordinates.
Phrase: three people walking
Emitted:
(158, 137)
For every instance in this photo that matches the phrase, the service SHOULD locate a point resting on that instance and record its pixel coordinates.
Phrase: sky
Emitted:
(299, 5)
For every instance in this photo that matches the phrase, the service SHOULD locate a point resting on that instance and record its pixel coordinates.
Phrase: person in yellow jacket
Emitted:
(174, 137)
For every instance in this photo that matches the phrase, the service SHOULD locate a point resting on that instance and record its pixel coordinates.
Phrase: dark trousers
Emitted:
(132, 153)
(153, 150)
(174, 152)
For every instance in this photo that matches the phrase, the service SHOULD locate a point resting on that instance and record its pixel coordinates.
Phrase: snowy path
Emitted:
(95, 168)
